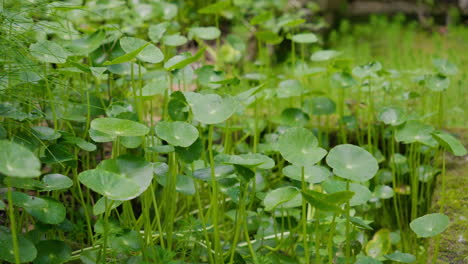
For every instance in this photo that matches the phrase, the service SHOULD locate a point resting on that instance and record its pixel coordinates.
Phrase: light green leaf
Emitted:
(18, 161)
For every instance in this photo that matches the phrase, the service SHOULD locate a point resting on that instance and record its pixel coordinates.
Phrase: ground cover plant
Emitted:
(216, 132)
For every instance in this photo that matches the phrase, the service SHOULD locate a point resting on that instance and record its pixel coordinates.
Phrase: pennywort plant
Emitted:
(211, 132)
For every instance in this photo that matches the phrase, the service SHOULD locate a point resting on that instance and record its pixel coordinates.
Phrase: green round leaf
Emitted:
(430, 224)
(247, 160)
(18, 161)
(52, 252)
(216, 8)
(437, 83)
(312, 173)
(136, 169)
(81, 143)
(300, 147)
(393, 116)
(207, 33)
(109, 184)
(210, 108)
(401, 257)
(367, 70)
(445, 67)
(98, 136)
(27, 249)
(319, 105)
(23, 183)
(184, 183)
(342, 80)
(150, 53)
(285, 197)
(156, 32)
(207, 76)
(174, 40)
(119, 127)
(43, 209)
(294, 117)
(450, 143)
(221, 171)
(131, 142)
(324, 55)
(414, 131)
(304, 38)
(56, 181)
(49, 51)
(176, 133)
(352, 162)
(46, 133)
(190, 153)
(100, 206)
(177, 110)
(130, 241)
(383, 192)
(289, 88)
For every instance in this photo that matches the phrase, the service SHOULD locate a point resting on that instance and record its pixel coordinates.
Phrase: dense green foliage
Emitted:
(226, 132)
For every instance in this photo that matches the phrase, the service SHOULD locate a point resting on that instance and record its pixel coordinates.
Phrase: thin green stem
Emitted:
(11, 214)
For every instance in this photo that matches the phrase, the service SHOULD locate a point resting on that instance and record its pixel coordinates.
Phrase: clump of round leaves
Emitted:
(178, 133)
(52, 252)
(391, 115)
(119, 127)
(18, 161)
(27, 250)
(352, 162)
(210, 108)
(300, 147)
(430, 225)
